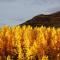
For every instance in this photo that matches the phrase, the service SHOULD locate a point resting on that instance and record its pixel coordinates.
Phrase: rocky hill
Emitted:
(45, 20)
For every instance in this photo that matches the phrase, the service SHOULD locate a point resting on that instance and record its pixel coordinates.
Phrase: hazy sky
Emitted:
(17, 11)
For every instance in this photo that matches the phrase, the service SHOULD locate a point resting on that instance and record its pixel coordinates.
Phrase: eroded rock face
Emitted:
(45, 20)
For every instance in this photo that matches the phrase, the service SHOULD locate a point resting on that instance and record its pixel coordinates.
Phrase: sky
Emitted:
(14, 12)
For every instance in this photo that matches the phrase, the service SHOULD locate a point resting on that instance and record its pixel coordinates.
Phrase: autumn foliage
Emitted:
(27, 43)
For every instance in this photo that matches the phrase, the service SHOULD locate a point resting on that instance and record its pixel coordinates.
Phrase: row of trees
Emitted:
(27, 43)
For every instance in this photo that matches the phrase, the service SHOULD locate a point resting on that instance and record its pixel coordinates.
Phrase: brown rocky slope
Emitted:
(45, 20)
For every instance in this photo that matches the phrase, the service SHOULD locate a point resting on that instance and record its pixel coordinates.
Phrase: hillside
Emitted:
(45, 20)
